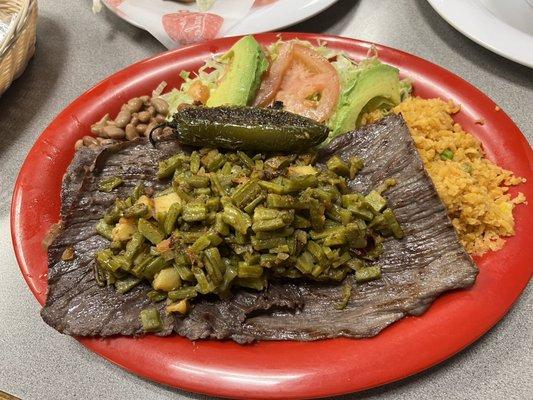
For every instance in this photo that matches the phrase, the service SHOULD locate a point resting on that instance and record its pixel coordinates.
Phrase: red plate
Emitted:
(286, 369)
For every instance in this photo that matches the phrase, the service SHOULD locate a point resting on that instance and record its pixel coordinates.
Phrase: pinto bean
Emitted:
(123, 118)
(137, 117)
(134, 105)
(97, 128)
(89, 140)
(150, 110)
(141, 128)
(146, 100)
(149, 128)
(167, 131)
(105, 142)
(160, 105)
(159, 118)
(131, 132)
(114, 132)
(144, 116)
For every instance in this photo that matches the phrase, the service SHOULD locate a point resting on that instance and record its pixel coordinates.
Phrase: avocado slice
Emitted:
(376, 86)
(243, 75)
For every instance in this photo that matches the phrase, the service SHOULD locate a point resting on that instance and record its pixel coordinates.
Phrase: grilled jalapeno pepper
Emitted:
(246, 128)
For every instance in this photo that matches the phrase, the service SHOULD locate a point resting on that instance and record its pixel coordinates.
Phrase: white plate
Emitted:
(267, 18)
(279, 15)
(502, 26)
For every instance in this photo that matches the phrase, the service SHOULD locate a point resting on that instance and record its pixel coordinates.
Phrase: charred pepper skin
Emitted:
(246, 128)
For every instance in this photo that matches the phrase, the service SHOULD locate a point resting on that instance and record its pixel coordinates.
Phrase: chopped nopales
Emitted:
(244, 226)
(415, 270)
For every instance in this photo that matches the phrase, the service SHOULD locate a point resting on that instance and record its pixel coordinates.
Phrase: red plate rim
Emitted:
(286, 369)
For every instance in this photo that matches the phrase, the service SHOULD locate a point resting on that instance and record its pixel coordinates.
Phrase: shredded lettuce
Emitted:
(406, 88)
(348, 72)
(209, 75)
(321, 48)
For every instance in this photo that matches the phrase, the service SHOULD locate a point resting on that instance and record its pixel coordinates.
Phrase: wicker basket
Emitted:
(19, 44)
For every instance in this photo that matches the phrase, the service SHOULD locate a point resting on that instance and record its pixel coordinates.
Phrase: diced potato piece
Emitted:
(180, 307)
(162, 203)
(148, 202)
(302, 170)
(167, 280)
(124, 230)
(163, 246)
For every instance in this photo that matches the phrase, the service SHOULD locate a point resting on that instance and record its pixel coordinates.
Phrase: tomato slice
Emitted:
(272, 81)
(303, 80)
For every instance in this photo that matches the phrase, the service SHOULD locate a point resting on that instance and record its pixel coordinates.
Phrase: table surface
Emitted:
(76, 49)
